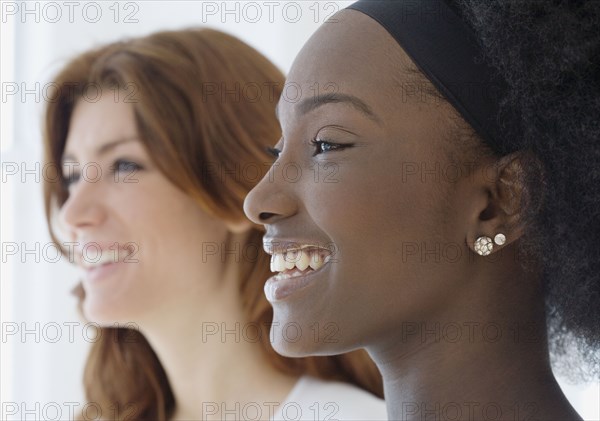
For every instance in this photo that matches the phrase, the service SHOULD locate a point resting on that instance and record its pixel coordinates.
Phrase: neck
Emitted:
(213, 359)
(475, 361)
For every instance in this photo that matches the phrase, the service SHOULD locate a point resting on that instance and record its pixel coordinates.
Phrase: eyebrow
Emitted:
(104, 148)
(310, 104)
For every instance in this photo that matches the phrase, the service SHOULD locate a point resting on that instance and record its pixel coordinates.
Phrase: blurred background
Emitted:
(44, 343)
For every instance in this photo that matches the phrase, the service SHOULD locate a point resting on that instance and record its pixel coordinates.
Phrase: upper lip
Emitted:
(84, 261)
(273, 245)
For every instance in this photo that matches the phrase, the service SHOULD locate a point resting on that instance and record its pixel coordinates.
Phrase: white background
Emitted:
(42, 370)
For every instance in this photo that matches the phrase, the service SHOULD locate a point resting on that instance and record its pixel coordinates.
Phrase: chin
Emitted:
(98, 316)
(297, 340)
(300, 349)
(105, 314)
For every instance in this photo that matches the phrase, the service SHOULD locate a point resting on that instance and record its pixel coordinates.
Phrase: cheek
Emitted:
(175, 239)
(382, 226)
(373, 206)
(167, 217)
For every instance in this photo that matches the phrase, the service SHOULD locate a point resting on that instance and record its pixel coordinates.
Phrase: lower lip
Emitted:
(279, 287)
(97, 273)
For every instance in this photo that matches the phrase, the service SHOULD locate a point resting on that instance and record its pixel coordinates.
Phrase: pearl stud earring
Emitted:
(500, 239)
(484, 245)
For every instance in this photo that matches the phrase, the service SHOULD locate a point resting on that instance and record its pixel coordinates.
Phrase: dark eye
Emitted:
(70, 179)
(273, 151)
(322, 146)
(122, 165)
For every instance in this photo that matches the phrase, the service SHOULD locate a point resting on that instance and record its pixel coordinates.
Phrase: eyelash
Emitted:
(317, 143)
(129, 166)
(273, 151)
(115, 167)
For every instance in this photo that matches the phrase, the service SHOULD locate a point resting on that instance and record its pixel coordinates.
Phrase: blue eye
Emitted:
(323, 146)
(122, 165)
(119, 166)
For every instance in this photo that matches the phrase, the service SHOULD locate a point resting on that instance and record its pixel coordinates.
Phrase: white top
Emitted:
(313, 399)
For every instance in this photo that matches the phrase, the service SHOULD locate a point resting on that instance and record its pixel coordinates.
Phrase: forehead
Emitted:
(354, 55)
(95, 121)
(106, 112)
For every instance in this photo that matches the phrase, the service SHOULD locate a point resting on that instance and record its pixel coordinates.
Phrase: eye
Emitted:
(123, 165)
(273, 151)
(322, 146)
(70, 179)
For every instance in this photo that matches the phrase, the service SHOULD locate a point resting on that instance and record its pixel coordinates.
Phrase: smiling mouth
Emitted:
(104, 266)
(106, 258)
(295, 269)
(302, 260)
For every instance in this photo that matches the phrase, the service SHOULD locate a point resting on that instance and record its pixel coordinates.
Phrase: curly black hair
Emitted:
(549, 53)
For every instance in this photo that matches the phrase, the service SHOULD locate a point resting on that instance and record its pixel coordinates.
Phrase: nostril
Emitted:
(263, 216)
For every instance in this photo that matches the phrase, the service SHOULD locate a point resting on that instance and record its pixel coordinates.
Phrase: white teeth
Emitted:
(303, 262)
(290, 259)
(277, 263)
(300, 259)
(316, 261)
(107, 256)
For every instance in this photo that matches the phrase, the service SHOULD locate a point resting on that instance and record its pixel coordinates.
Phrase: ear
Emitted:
(239, 227)
(504, 209)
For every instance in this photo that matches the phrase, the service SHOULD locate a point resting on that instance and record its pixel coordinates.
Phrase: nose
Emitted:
(83, 208)
(272, 199)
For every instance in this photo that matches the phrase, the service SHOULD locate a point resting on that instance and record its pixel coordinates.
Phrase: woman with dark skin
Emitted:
(456, 334)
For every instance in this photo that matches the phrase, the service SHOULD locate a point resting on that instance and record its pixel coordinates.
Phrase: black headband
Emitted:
(446, 50)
